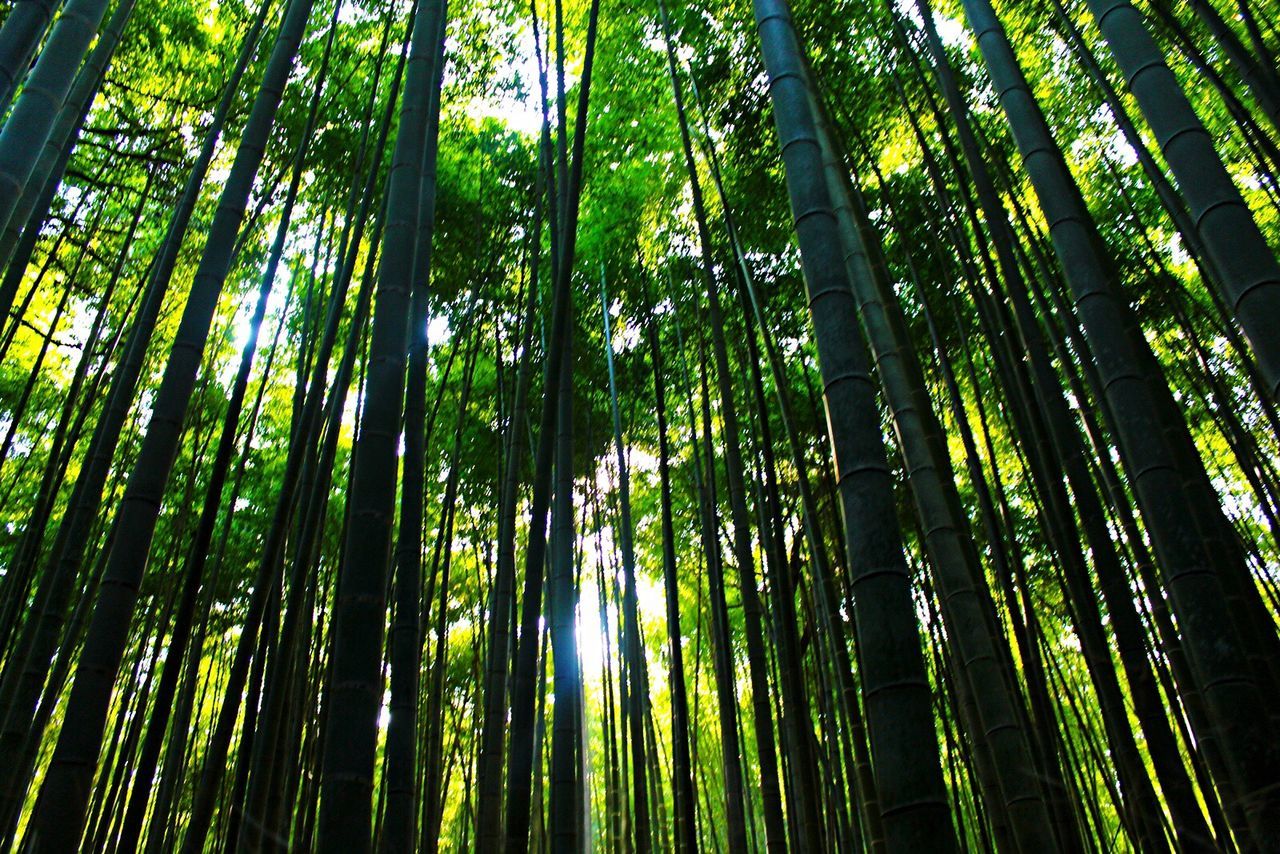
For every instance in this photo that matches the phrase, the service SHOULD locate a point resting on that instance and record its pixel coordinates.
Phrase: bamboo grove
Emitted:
(565, 425)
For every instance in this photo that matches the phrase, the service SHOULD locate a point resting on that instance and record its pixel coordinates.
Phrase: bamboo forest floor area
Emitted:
(640, 426)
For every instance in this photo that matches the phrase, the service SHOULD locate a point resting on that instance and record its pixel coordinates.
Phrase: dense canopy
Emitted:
(564, 425)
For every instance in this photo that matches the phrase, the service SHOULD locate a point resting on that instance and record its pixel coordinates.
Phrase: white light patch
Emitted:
(438, 331)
